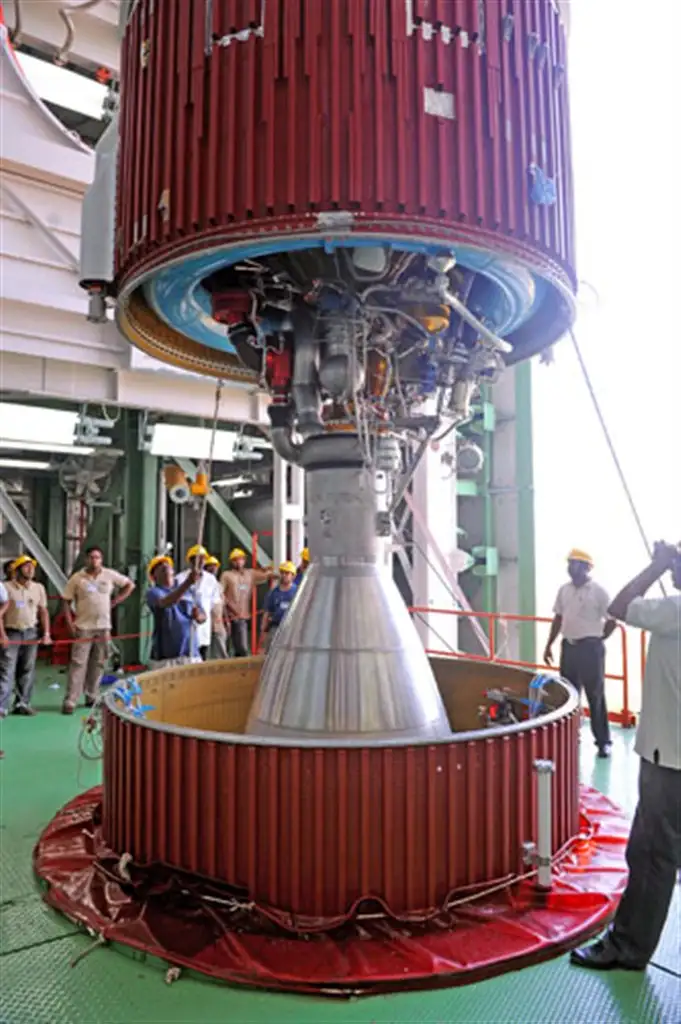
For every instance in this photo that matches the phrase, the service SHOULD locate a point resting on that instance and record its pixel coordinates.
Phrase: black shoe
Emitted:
(90, 702)
(23, 709)
(602, 956)
(604, 751)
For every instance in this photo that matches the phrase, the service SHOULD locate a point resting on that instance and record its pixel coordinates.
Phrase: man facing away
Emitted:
(654, 847)
(26, 624)
(237, 584)
(94, 591)
(206, 593)
(581, 616)
(174, 608)
(277, 603)
(218, 634)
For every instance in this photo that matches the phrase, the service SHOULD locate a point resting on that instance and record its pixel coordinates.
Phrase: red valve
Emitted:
(278, 370)
(231, 306)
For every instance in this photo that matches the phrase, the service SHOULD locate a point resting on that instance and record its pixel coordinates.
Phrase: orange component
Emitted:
(201, 487)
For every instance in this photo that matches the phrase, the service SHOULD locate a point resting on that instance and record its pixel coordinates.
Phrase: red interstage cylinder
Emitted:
(412, 117)
(315, 831)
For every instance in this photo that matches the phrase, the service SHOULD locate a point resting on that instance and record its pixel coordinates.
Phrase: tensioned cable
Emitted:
(613, 452)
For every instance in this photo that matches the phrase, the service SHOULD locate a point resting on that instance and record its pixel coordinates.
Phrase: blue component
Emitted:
(543, 189)
(178, 297)
(428, 370)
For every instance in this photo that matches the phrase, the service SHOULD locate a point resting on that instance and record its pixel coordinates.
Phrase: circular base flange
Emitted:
(191, 923)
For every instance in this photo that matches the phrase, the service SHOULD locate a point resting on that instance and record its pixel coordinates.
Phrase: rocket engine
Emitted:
(363, 207)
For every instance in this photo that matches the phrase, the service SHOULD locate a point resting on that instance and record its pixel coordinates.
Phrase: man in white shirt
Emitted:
(654, 847)
(581, 616)
(206, 593)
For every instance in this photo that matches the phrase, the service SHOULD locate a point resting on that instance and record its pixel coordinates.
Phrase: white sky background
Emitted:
(624, 77)
(625, 89)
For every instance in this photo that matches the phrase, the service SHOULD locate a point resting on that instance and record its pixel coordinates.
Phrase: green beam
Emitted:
(527, 587)
(135, 533)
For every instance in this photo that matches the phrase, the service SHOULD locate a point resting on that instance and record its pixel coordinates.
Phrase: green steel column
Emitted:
(527, 589)
(49, 503)
(136, 533)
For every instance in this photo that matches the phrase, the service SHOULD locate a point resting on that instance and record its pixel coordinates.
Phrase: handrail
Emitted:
(625, 717)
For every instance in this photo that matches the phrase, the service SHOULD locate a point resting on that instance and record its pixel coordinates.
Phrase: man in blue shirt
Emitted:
(176, 614)
(277, 603)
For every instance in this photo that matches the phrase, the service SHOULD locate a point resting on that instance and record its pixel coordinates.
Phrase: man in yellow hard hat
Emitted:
(581, 617)
(654, 847)
(93, 592)
(175, 610)
(303, 565)
(219, 631)
(277, 604)
(237, 584)
(206, 591)
(26, 624)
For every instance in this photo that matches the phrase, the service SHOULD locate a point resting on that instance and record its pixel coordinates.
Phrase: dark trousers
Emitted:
(240, 637)
(18, 670)
(583, 664)
(654, 858)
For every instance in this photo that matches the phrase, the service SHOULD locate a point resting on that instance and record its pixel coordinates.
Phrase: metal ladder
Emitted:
(31, 541)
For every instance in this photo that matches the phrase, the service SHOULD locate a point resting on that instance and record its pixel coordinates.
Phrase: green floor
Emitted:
(39, 985)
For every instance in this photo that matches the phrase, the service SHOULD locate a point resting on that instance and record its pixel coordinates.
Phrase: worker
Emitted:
(581, 616)
(303, 565)
(174, 608)
(277, 604)
(94, 591)
(654, 847)
(206, 592)
(219, 632)
(237, 585)
(26, 624)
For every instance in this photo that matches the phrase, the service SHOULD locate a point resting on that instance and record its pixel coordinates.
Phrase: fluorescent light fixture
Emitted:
(33, 423)
(177, 442)
(64, 87)
(45, 447)
(23, 464)
(231, 481)
(242, 494)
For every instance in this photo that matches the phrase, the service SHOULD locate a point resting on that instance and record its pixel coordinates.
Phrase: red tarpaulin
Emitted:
(190, 922)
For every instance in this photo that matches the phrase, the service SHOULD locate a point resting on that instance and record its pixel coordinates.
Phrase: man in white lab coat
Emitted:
(206, 593)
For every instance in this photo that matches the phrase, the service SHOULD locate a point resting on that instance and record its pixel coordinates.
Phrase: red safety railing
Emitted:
(625, 717)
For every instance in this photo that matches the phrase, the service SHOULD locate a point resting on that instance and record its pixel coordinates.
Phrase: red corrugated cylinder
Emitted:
(232, 123)
(313, 831)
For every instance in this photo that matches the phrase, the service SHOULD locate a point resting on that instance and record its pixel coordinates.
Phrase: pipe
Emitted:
(464, 312)
(65, 12)
(280, 434)
(304, 389)
(544, 771)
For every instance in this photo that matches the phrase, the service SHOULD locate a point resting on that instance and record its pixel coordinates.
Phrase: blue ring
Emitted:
(177, 296)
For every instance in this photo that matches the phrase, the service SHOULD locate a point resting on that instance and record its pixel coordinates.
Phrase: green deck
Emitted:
(41, 771)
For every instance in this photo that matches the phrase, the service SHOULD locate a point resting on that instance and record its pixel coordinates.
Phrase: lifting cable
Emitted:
(204, 500)
(613, 453)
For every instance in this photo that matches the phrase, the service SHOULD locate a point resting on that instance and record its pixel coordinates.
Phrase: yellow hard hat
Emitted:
(159, 560)
(236, 553)
(197, 551)
(576, 555)
(212, 560)
(305, 555)
(22, 560)
(287, 567)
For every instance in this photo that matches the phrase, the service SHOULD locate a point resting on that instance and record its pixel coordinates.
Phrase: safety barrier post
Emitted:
(254, 598)
(628, 720)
